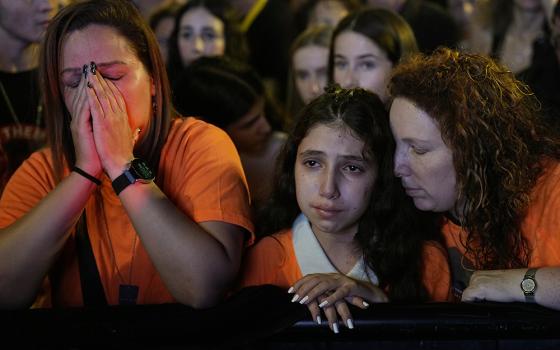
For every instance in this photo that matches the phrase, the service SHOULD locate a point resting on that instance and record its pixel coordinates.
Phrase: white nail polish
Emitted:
(350, 324)
(324, 303)
(365, 303)
(305, 298)
(335, 327)
(295, 298)
(318, 319)
(291, 290)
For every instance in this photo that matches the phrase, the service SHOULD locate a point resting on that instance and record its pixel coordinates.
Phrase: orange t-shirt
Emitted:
(273, 260)
(199, 171)
(539, 227)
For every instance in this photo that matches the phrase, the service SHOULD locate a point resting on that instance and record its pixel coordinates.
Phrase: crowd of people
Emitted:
(351, 152)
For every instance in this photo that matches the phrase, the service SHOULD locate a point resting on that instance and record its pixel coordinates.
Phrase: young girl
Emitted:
(307, 76)
(366, 45)
(204, 28)
(343, 223)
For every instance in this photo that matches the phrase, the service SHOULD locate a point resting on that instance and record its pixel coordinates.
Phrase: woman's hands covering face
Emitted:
(114, 140)
(87, 157)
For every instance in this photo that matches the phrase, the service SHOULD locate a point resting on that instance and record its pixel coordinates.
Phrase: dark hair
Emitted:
(122, 16)
(384, 27)
(391, 232)
(168, 9)
(219, 90)
(235, 43)
(306, 10)
(315, 36)
(491, 123)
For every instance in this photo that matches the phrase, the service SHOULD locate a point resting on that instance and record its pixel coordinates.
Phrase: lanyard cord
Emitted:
(13, 111)
(9, 104)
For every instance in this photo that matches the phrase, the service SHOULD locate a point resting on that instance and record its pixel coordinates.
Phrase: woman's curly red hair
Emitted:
(492, 124)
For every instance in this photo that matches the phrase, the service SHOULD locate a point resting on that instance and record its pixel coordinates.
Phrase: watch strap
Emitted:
(122, 181)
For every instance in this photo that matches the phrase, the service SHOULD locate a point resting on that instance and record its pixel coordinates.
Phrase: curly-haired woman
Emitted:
(470, 144)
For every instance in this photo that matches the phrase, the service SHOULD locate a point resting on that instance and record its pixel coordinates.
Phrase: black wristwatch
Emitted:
(137, 170)
(529, 285)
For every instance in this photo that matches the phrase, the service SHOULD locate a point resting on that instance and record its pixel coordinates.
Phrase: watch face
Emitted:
(141, 170)
(528, 285)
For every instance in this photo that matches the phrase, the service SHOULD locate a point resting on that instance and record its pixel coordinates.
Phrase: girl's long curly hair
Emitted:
(392, 231)
(491, 122)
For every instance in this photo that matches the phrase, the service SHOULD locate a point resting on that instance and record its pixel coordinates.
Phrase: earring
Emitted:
(154, 106)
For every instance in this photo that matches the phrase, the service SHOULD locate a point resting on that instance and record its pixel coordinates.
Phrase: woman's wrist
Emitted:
(86, 175)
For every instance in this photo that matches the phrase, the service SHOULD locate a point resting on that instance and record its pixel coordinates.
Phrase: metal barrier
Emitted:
(264, 318)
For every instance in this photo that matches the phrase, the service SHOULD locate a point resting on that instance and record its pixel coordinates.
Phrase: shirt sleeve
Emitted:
(262, 264)
(202, 174)
(31, 182)
(436, 273)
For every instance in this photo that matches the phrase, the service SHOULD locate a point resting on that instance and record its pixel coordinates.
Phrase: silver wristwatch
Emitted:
(529, 285)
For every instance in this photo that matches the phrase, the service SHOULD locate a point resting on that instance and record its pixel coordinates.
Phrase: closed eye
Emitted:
(418, 150)
(72, 83)
(112, 77)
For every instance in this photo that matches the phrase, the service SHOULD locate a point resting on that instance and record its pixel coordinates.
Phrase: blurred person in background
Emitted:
(307, 77)
(324, 12)
(204, 28)
(231, 95)
(162, 22)
(22, 25)
(432, 25)
(366, 45)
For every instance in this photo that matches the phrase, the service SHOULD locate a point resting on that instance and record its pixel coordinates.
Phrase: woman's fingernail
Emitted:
(305, 298)
(291, 290)
(89, 85)
(365, 303)
(318, 319)
(93, 67)
(295, 298)
(350, 324)
(335, 327)
(324, 303)
(84, 70)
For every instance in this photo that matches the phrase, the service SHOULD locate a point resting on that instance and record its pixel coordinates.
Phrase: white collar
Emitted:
(311, 257)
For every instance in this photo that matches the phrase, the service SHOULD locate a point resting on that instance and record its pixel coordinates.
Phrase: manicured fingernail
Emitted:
(350, 324)
(291, 290)
(324, 303)
(89, 85)
(318, 319)
(84, 70)
(365, 304)
(295, 298)
(93, 67)
(305, 298)
(335, 327)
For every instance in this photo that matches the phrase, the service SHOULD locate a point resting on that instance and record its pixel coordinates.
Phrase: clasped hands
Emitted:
(331, 293)
(103, 139)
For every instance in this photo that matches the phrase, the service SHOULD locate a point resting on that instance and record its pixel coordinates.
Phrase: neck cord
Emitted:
(12, 110)
(113, 256)
(9, 103)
